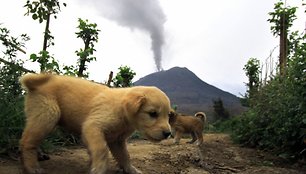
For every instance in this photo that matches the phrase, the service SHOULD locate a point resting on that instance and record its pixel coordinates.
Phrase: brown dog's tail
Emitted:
(31, 81)
(201, 115)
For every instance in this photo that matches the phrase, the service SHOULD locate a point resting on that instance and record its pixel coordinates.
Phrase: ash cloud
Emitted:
(145, 15)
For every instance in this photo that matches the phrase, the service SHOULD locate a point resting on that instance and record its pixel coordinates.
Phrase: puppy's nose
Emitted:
(166, 134)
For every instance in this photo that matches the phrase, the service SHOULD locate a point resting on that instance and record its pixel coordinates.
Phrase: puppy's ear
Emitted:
(133, 102)
(172, 117)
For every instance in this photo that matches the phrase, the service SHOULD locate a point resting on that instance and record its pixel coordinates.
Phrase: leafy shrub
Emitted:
(11, 106)
(277, 119)
(226, 126)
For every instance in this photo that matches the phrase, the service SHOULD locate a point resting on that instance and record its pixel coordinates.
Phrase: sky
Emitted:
(212, 38)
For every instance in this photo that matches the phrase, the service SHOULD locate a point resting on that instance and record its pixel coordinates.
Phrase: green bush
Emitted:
(225, 126)
(11, 124)
(277, 119)
(11, 107)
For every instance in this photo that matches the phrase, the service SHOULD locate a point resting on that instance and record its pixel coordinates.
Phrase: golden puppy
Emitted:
(181, 124)
(105, 117)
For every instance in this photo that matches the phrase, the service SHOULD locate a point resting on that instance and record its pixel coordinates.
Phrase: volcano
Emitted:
(189, 93)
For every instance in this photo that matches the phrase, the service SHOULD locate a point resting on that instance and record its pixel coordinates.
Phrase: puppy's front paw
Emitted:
(132, 170)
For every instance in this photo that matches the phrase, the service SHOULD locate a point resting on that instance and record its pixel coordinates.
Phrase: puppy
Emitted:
(182, 124)
(105, 117)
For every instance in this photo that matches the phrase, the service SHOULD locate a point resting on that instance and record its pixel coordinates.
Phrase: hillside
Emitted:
(189, 92)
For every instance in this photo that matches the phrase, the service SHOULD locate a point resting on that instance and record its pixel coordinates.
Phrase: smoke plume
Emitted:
(146, 15)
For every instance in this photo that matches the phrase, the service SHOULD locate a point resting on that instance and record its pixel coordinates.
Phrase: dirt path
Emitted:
(217, 156)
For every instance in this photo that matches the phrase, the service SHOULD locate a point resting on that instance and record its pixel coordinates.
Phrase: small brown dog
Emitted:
(182, 124)
(105, 117)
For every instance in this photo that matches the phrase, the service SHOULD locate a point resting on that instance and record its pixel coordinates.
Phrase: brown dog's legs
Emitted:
(194, 138)
(200, 137)
(177, 137)
(121, 154)
(40, 122)
(97, 147)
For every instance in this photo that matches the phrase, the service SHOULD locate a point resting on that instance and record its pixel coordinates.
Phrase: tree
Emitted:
(89, 34)
(282, 19)
(252, 71)
(12, 45)
(42, 11)
(124, 77)
(220, 111)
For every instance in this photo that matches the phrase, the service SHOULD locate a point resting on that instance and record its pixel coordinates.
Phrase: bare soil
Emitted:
(218, 155)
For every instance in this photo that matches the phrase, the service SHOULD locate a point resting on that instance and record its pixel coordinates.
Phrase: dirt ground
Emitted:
(218, 155)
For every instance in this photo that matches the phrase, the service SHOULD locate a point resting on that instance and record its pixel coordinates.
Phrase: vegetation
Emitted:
(282, 19)
(124, 77)
(89, 34)
(252, 71)
(220, 112)
(276, 118)
(42, 11)
(11, 105)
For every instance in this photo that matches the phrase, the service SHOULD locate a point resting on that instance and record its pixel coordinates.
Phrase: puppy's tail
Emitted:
(31, 81)
(202, 116)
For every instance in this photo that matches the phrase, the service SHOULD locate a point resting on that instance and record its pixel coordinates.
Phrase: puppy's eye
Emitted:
(153, 114)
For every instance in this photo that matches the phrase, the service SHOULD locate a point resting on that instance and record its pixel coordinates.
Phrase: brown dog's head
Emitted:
(147, 110)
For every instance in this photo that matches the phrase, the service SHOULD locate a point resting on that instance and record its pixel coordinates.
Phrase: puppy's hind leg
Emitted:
(194, 138)
(200, 137)
(41, 120)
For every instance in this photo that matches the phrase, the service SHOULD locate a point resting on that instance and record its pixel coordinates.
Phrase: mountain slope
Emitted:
(189, 92)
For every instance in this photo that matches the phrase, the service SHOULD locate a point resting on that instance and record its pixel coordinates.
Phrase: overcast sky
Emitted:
(212, 38)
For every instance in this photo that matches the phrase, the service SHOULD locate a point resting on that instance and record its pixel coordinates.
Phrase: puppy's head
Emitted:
(147, 110)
